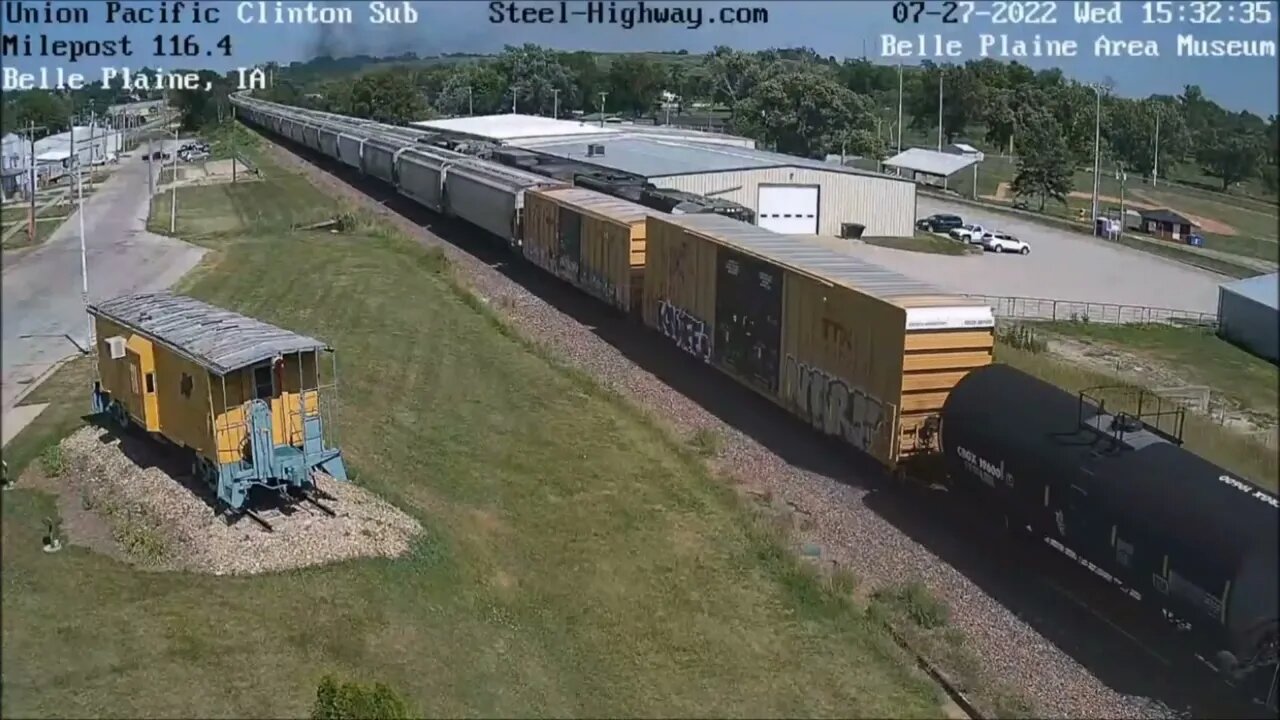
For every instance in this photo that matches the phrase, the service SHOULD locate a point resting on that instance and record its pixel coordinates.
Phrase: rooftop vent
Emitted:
(595, 150)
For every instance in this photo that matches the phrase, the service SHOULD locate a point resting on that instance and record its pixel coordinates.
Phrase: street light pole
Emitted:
(471, 108)
(1097, 155)
(1155, 168)
(603, 95)
(555, 103)
(940, 76)
(899, 108)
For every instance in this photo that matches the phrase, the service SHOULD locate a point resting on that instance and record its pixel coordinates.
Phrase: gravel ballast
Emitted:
(836, 518)
(163, 524)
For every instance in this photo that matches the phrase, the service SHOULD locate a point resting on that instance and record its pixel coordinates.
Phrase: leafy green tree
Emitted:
(477, 88)
(532, 75)
(959, 100)
(588, 78)
(1044, 164)
(40, 107)
(804, 113)
(352, 701)
(634, 83)
(388, 96)
(731, 74)
(1230, 156)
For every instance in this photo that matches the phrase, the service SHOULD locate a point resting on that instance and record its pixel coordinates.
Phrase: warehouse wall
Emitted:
(1248, 324)
(886, 207)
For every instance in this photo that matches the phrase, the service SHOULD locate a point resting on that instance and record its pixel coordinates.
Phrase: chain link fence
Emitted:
(1029, 308)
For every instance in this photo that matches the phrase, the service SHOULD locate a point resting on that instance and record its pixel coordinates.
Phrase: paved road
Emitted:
(41, 287)
(1062, 265)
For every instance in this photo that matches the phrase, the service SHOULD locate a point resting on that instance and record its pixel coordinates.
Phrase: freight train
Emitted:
(900, 370)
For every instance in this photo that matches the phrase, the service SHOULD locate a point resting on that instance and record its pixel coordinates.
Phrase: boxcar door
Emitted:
(748, 318)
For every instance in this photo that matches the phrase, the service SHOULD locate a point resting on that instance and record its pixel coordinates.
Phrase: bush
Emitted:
(352, 701)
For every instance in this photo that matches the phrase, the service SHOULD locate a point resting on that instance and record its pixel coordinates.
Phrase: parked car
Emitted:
(1003, 242)
(939, 223)
(969, 233)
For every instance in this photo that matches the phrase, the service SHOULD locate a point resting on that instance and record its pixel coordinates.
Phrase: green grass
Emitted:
(44, 228)
(1255, 222)
(232, 209)
(577, 559)
(924, 242)
(1201, 435)
(1198, 355)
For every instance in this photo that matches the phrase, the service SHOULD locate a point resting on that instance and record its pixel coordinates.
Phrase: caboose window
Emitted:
(263, 382)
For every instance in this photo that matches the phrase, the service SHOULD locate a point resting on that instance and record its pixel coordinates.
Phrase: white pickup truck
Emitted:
(969, 233)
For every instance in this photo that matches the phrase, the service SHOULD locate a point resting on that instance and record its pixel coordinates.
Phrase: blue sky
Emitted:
(844, 29)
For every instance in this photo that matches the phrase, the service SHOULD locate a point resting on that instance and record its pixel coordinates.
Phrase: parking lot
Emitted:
(1062, 265)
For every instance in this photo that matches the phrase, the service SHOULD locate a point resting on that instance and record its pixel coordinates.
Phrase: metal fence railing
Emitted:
(1028, 308)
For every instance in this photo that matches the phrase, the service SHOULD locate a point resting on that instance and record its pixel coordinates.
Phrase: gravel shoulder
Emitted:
(884, 537)
(121, 495)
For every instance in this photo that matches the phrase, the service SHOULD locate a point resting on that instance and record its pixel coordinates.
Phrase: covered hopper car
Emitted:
(1116, 488)
(244, 397)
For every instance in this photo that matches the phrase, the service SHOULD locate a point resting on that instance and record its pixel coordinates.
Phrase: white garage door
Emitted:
(790, 209)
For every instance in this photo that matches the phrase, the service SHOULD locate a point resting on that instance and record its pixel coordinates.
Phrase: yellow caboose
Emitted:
(244, 397)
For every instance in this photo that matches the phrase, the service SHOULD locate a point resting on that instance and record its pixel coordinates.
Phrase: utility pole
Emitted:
(173, 189)
(84, 253)
(555, 103)
(234, 154)
(471, 108)
(940, 76)
(603, 95)
(31, 211)
(1097, 155)
(1155, 168)
(899, 108)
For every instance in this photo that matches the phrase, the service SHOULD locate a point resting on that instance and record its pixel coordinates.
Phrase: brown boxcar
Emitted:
(589, 239)
(858, 351)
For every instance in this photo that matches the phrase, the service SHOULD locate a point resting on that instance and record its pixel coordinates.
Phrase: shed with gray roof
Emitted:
(788, 194)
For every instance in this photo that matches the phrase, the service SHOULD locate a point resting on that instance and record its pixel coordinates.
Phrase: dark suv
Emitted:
(939, 223)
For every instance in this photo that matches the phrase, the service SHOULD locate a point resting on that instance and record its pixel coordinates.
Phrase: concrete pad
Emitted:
(18, 418)
(1062, 266)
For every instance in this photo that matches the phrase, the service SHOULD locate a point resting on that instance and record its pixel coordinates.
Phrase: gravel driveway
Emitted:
(884, 535)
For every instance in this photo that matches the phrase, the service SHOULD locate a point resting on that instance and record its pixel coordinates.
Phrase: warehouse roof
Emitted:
(1263, 289)
(653, 157)
(512, 127)
(830, 260)
(219, 340)
(1165, 215)
(930, 162)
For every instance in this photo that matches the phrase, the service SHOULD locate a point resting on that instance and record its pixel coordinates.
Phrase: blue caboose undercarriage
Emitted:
(263, 463)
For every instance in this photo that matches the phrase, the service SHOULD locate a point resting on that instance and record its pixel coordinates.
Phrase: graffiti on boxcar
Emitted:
(830, 405)
(566, 267)
(689, 333)
(598, 285)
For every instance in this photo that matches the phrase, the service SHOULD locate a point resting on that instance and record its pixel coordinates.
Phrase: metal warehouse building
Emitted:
(790, 195)
(1248, 315)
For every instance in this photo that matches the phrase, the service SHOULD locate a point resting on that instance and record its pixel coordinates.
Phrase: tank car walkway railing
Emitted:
(1028, 308)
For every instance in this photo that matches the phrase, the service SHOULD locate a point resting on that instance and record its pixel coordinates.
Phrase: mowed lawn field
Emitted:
(577, 560)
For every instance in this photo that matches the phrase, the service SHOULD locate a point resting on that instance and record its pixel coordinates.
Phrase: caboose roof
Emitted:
(219, 340)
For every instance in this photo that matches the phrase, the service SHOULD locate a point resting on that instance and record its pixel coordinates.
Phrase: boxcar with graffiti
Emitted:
(591, 240)
(859, 352)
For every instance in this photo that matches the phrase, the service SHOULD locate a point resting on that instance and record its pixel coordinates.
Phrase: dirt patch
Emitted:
(1004, 193)
(1151, 373)
(117, 498)
(213, 172)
